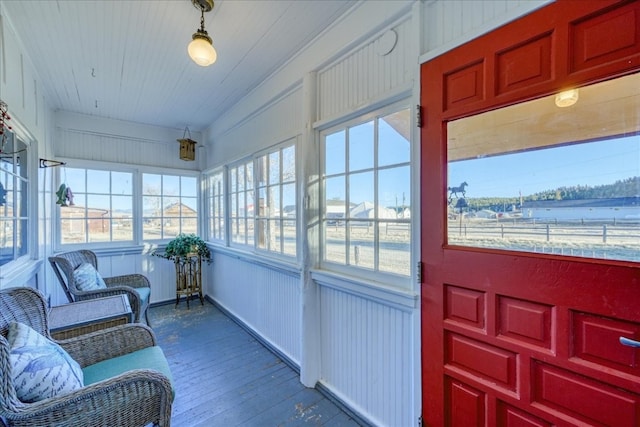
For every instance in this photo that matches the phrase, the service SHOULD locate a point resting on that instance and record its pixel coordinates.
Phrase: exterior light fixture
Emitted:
(201, 48)
(567, 98)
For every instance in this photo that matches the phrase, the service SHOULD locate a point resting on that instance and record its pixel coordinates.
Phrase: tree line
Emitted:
(629, 187)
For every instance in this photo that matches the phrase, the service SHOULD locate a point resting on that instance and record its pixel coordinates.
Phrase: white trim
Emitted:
(393, 96)
(401, 299)
(252, 258)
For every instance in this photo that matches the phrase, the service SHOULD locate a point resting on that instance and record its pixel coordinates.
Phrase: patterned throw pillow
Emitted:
(87, 278)
(40, 368)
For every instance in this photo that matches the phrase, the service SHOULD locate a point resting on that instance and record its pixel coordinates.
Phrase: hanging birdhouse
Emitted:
(187, 149)
(187, 146)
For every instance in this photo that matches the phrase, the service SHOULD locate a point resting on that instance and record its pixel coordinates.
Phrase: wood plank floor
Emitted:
(225, 377)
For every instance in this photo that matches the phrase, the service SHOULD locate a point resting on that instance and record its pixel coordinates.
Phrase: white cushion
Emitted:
(40, 368)
(87, 278)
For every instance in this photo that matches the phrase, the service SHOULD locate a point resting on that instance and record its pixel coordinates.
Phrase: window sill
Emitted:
(19, 272)
(402, 299)
(253, 258)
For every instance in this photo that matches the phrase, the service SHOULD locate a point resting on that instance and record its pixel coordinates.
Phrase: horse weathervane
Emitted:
(453, 191)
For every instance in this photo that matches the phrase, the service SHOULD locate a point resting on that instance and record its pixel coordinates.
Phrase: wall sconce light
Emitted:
(201, 48)
(187, 146)
(567, 98)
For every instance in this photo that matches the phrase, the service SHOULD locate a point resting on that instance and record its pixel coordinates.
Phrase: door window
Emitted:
(559, 174)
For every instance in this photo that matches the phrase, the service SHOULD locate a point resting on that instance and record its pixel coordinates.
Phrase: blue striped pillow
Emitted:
(40, 368)
(87, 278)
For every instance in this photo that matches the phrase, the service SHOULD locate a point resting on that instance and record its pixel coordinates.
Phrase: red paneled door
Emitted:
(513, 338)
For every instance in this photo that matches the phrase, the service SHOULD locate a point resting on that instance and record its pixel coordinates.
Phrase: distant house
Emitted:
(618, 208)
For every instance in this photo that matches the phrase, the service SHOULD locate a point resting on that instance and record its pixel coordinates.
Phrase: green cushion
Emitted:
(144, 295)
(147, 358)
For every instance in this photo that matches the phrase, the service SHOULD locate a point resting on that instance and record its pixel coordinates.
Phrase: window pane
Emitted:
(393, 139)
(361, 147)
(249, 173)
(189, 186)
(189, 207)
(151, 184)
(395, 247)
(361, 252)
(394, 187)
(289, 237)
(170, 185)
(261, 170)
(274, 168)
(289, 201)
(335, 151)
(289, 164)
(549, 179)
(75, 178)
(122, 229)
(263, 233)
(121, 183)
(335, 198)
(98, 182)
(73, 231)
(335, 241)
(274, 202)
(361, 195)
(241, 178)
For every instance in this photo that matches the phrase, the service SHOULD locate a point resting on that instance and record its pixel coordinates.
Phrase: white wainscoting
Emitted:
(265, 298)
(369, 355)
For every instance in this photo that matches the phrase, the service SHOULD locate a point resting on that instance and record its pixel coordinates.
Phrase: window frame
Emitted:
(250, 244)
(137, 213)
(373, 275)
(28, 201)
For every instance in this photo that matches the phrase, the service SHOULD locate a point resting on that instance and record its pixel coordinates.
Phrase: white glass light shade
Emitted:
(567, 98)
(201, 51)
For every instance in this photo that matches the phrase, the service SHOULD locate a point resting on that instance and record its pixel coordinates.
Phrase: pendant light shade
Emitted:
(201, 48)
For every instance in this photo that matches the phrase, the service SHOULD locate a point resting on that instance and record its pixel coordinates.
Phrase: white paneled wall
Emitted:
(271, 124)
(265, 298)
(366, 75)
(368, 355)
(92, 138)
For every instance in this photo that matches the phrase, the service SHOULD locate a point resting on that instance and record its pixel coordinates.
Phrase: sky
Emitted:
(592, 164)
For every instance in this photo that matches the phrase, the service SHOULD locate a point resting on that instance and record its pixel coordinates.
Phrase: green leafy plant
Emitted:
(183, 245)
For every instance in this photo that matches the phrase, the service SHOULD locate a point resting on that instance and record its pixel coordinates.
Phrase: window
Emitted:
(367, 194)
(550, 179)
(276, 216)
(241, 199)
(261, 208)
(215, 206)
(101, 209)
(14, 184)
(105, 207)
(169, 205)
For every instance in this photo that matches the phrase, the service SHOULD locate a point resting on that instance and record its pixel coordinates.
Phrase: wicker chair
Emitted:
(64, 264)
(132, 398)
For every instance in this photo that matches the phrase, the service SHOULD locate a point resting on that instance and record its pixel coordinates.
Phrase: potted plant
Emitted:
(187, 252)
(183, 245)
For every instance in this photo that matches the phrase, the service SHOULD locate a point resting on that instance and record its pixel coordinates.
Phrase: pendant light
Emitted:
(201, 48)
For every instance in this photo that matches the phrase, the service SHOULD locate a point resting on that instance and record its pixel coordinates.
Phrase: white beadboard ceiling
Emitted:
(127, 59)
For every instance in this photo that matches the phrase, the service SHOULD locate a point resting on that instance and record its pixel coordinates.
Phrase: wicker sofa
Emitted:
(127, 381)
(135, 286)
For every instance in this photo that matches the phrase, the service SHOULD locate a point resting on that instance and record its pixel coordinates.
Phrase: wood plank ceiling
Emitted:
(128, 59)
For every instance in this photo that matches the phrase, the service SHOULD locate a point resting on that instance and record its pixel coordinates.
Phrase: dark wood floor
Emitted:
(225, 377)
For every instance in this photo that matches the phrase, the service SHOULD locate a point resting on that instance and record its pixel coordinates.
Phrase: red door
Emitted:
(514, 338)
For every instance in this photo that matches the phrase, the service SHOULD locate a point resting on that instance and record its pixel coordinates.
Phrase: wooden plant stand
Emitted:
(188, 277)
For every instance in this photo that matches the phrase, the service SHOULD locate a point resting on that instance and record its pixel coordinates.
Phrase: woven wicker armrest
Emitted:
(106, 344)
(133, 280)
(134, 398)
